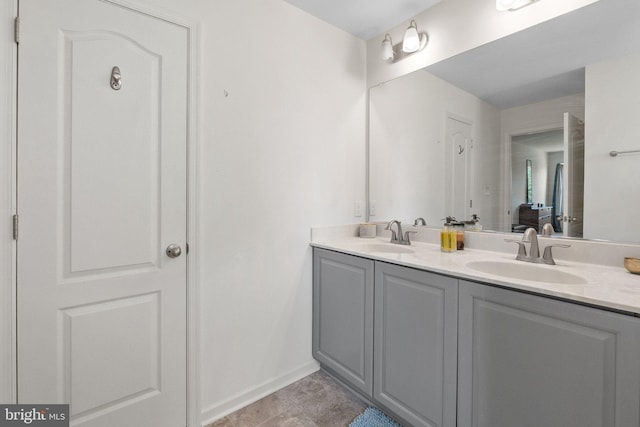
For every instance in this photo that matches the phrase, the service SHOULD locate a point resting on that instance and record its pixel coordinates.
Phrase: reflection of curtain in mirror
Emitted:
(557, 208)
(529, 189)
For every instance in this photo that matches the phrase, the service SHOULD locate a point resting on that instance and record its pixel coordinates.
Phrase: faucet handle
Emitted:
(547, 256)
(522, 250)
(407, 240)
(529, 235)
(547, 230)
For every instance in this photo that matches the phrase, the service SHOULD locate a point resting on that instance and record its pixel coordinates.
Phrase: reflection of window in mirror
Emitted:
(529, 183)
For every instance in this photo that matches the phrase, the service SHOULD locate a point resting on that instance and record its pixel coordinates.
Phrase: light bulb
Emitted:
(387, 48)
(411, 41)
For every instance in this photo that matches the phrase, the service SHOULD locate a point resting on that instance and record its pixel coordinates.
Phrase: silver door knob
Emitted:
(173, 251)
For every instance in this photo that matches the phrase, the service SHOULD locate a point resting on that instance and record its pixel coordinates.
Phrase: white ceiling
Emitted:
(364, 18)
(543, 62)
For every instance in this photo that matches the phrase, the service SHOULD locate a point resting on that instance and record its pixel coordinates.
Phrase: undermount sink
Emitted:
(387, 248)
(525, 271)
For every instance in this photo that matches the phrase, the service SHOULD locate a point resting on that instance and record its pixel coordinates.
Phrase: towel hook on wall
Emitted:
(116, 79)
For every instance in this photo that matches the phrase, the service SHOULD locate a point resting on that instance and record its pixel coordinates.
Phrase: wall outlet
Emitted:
(372, 209)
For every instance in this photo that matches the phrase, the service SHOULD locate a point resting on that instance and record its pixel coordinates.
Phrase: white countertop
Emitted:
(605, 286)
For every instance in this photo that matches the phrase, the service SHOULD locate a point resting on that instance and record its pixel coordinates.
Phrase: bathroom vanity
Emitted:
(435, 342)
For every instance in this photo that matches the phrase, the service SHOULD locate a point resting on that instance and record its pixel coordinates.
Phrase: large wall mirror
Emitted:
(454, 139)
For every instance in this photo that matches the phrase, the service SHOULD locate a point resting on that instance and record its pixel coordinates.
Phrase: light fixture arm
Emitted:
(511, 5)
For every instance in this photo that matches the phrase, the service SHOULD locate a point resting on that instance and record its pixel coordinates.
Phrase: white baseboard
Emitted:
(220, 409)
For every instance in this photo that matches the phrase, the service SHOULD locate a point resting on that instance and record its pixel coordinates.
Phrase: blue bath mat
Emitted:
(371, 417)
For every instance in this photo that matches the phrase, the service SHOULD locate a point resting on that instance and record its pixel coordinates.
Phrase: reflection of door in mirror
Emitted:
(573, 176)
(534, 158)
(458, 152)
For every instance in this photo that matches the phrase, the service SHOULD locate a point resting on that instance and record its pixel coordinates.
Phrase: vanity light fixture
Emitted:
(387, 53)
(503, 5)
(412, 42)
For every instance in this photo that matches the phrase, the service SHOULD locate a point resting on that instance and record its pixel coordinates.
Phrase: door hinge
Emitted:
(16, 29)
(15, 227)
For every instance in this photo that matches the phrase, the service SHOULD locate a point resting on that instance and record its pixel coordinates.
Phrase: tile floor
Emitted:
(314, 401)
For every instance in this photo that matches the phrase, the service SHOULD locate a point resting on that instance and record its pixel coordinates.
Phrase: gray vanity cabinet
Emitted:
(343, 316)
(415, 338)
(529, 361)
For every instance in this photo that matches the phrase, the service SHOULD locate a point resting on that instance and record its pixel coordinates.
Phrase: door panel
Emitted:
(457, 185)
(98, 172)
(343, 316)
(133, 377)
(415, 345)
(529, 361)
(101, 194)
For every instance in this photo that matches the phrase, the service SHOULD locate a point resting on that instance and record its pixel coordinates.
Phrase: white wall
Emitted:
(283, 107)
(455, 26)
(612, 93)
(282, 143)
(7, 101)
(408, 119)
(283, 152)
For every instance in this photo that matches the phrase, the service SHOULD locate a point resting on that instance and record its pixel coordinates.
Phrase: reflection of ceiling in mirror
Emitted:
(546, 61)
(548, 141)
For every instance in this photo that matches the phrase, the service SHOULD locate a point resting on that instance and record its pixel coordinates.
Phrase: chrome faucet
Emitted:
(398, 237)
(419, 221)
(531, 236)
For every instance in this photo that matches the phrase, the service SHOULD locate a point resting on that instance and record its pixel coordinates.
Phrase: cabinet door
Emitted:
(415, 345)
(343, 316)
(529, 361)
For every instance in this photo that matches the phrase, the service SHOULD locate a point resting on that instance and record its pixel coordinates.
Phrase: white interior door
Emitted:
(457, 186)
(101, 194)
(573, 176)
